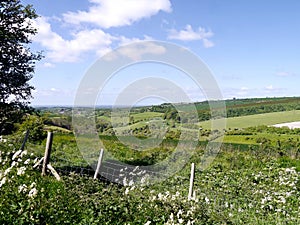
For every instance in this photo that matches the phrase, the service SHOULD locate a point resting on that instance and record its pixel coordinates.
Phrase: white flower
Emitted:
(288, 194)
(206, 199)
(32, 193)
(131, 183)
(180, 221)
(7, 170)
(2, 181)
(21, 170)
(148, 222)
(160, 196)
(23, 153)
(126, 191)
(14, 164)
(27, 161)
(22, 188)
(179, 213)
(125, 181)
(16, 154)
(143, 180)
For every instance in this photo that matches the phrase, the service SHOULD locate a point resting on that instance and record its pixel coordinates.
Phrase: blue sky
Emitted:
(252, 47)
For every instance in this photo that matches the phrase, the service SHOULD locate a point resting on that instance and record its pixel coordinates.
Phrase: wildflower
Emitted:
(206, 199)
(148, 222)
(125, 181)
(32, 193)
(131, 183)
(143, 180)
(23, 153)
(7, 171)
(27, 161)
(126, 191)
(2, 181)
(180, 221)
(35, 160)
(14, 163)
(16, 154)
(160, 196)
(21, 170)
(22, 188)
(179, 213)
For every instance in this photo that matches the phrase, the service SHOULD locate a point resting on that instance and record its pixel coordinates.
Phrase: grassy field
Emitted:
(254, 179)
(146, 115)
(258, 119)
(240, 187)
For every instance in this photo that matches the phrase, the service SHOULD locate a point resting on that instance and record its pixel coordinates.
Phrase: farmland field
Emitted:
(258, 119)
(254, 179)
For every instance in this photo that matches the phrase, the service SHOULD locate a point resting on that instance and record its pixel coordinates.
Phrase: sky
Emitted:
(252, 48)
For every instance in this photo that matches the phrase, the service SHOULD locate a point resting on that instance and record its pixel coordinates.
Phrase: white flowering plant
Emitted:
(238, 188)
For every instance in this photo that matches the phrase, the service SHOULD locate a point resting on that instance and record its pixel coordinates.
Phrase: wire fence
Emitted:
(110, 170)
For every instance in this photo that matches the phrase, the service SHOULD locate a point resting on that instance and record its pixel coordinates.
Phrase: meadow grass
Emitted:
(146, 115)
(258, 119)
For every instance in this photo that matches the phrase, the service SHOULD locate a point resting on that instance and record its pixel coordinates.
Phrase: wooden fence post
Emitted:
(191, 181)
(25, 139)
(47, 152)
(99, 163)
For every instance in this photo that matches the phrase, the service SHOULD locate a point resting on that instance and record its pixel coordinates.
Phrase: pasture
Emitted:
(258, 119)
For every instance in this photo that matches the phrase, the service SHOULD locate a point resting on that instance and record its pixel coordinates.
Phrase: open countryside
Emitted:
(253, 179)
(101, 124)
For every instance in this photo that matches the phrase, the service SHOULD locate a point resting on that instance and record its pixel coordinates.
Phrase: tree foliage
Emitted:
(17, 62)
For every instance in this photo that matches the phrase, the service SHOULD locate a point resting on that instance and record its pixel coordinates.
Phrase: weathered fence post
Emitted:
(99, 163)
(47, 152)
(25, 139)
(191, 181)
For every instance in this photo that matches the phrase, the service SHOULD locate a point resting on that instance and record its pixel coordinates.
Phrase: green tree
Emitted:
(35, 125)
(17, 62)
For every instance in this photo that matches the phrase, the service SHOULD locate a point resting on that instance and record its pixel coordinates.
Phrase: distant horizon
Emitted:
(125, 106)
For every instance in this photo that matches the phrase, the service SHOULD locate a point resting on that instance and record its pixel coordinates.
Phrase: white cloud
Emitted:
(48, 65)
(271, 90)
(124, 40)
(116, 13)
(285, 74)
(207, 43)
(61, 50)
(135, 52)
(188, 34)
(282, 74)
(244, 89)
(269, 87)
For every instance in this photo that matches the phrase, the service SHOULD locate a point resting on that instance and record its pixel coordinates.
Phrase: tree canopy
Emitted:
(17, 61)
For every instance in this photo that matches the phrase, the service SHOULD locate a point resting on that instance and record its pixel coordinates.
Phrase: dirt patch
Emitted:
(290, 125)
